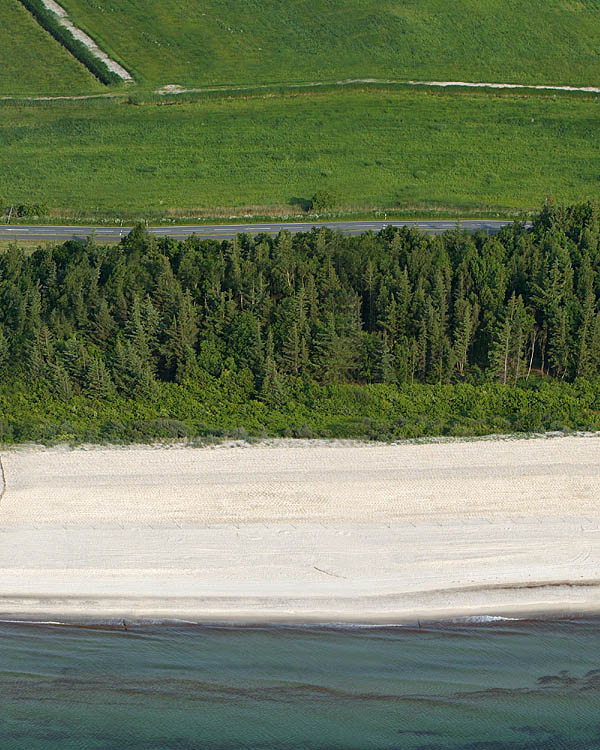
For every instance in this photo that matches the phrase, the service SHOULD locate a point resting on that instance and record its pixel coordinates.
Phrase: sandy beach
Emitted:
(302, 531)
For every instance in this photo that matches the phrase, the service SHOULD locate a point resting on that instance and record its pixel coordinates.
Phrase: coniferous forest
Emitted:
(398, 334)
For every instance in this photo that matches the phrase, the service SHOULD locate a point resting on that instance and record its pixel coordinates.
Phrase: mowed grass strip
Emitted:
(195, 43)
(32, 62)
(462, 152)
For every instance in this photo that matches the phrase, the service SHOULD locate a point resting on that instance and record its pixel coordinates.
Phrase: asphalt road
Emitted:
(38, 233)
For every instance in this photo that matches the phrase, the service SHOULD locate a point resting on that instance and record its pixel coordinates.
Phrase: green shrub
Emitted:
(323, 200)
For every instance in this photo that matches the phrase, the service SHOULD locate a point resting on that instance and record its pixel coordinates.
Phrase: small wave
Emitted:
(32, 622)
(486, 618)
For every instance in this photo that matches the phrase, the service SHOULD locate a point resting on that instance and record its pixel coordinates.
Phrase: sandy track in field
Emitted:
(173, 88)
(466, 84)
(64, 19)
(302, 531)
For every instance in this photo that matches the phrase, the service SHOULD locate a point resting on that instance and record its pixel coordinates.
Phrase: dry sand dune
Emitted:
(302, 531)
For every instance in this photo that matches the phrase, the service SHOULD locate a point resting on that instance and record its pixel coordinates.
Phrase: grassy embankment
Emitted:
(404, 152)
(230, 42)
(413, 151)
(31, 62)
(261, 41)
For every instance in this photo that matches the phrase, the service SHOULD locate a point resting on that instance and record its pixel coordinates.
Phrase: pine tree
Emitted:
(152, 326)
(594, 369)
(167, 294)
(585, 364)
(246, 345)
(34, 311)
(75, 360)
(119, 371)
(98, 381)
(103, 323)
(138, 378)
(389, 321)
(439, 343)
(4, 350)
(559, 344)
(36, 367)
(272, 388)
(369, 280)
(291, 350)
(61, 383)
(234, 271)
(128, 373)
(312, 300)
(210, 355)
(509, 345)
(135, 331)
(283, 264)
(463, 337)
(387, 373)
(180, 340)
(330, 358)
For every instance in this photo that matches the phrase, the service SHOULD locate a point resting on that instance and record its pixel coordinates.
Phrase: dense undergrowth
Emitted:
(207, 409)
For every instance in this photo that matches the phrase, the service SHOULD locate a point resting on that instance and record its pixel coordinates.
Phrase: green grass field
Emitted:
(257, 154)
(406, 149)
(250, 42)
(196, 43)
(31, 62)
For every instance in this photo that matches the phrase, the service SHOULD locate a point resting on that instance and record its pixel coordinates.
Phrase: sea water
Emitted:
(482, 686)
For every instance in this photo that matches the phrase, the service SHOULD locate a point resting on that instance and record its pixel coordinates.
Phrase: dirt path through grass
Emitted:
(446, 84)
(174, 88)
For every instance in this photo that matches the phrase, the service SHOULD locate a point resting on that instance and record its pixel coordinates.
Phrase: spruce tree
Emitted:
(508, 352)
(61, 383)
(103, 324)
(463, 337)
(98, 381)
(4, 350)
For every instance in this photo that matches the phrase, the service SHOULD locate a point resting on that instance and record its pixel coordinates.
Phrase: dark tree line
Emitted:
(395, 307)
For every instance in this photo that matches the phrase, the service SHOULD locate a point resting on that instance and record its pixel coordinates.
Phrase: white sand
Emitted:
(302, 531)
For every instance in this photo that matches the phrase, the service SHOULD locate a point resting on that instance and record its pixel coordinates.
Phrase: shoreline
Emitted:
(299, 533)
(427, 624)
(109, 613)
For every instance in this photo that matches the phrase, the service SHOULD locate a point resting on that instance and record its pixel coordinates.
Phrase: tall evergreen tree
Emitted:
(509, 345)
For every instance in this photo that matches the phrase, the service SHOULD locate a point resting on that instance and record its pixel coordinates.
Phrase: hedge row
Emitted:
(51, 23)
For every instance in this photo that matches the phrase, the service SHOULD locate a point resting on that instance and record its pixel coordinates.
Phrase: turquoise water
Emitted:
(518, 685)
